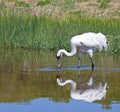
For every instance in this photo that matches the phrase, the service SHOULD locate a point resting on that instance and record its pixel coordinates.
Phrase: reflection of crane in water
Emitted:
(88, 91)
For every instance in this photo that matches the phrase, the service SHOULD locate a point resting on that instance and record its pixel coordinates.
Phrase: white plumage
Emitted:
(91, 93)
(87, 43)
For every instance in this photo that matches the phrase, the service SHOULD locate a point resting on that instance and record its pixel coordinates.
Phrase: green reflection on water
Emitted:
(20, 82)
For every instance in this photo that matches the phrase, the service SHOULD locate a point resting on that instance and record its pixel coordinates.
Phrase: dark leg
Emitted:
(92, 64)
(78, 70)
(78, 62)
(79, 57)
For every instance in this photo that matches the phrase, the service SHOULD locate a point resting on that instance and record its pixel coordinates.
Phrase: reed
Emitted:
(22, 30)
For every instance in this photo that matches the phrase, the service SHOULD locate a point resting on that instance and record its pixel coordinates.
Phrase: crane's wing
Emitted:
(88, 42)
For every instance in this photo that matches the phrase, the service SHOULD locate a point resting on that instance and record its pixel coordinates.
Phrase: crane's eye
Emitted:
(107, 42)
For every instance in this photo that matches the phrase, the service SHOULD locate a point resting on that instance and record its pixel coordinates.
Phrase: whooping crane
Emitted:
(86, 43)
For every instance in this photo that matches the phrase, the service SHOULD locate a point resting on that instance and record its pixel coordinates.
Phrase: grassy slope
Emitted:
(20, 29)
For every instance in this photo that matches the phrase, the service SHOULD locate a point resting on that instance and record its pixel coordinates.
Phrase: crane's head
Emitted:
(59, 56)
(103, 40)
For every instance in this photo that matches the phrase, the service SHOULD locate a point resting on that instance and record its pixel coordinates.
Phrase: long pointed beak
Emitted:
(59, 62)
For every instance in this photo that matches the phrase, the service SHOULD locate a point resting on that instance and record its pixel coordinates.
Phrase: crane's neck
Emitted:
(62, 51)
(73, 84)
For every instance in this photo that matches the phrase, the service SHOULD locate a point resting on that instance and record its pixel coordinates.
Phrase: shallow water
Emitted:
(28, 82)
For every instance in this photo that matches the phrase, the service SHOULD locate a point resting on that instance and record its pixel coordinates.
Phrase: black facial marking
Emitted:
(58, 57)
(107, 42)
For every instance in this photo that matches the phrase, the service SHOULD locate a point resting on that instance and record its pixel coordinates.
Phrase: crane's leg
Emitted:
(92, 64)
(79, 57)
(90, 52)
(78, 62)
(78, 70)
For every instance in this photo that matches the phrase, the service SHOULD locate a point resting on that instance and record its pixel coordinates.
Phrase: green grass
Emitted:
(104, 3)
(21, 30)
(22, 4)
(43, 2)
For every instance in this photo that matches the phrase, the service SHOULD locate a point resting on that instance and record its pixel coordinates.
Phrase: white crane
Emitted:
(87, 43)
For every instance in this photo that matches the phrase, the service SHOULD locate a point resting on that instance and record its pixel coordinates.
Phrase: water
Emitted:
(28, 82)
